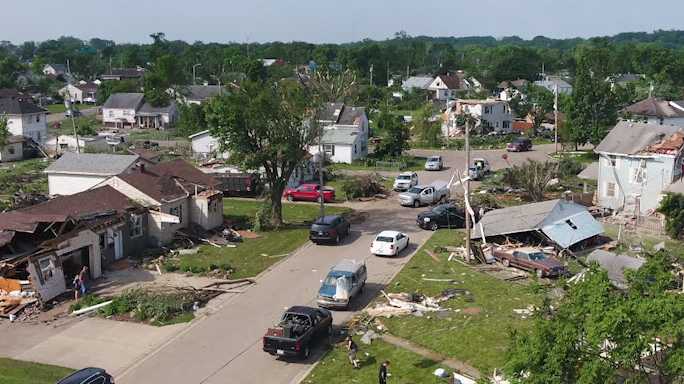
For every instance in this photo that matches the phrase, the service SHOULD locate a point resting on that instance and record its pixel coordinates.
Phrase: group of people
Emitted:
(81, 283)
(352, 350)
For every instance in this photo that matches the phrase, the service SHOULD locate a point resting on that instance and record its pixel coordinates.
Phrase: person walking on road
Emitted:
(382, 374)
(352, 349)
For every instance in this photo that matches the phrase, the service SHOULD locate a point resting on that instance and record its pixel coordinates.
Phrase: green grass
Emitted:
(26, 176)
(252, 256)
(412, 163)
(66, 127)
(23, 372)
(647, 241)
(156, 135)
(478, 339)
(56, 108)
(406, 367)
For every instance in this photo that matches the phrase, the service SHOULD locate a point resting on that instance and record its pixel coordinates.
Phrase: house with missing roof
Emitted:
(638, 164)
(73, 173)
(130, 110)
(345, 133)
(47, 244)
(560, 223)
(24, 118)
(177, 194)
(490, 116)
(654, 110)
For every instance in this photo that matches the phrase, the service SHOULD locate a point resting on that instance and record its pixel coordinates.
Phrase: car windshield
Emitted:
(439, 209)
(536, 256)
(331, 279)
(415, 190)
(385, 239)
(433, 158)
(404, 177)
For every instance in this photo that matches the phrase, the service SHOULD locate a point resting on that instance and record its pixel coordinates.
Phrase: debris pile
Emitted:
(414, 303)
(16, 297)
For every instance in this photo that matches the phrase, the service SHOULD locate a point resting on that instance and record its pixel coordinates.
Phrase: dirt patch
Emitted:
(248, 235)
(472, 310)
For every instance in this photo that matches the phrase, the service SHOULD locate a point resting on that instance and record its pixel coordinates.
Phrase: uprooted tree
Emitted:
(600, 334)
(533, 177)
(265, 125)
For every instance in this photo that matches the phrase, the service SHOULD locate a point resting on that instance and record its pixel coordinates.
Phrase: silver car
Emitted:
(434, 163)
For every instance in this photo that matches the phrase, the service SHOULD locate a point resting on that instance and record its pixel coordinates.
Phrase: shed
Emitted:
(565, 223)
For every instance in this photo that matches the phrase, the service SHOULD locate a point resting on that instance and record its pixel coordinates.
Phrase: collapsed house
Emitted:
(563, 224)
(44, 246)
(615, 265)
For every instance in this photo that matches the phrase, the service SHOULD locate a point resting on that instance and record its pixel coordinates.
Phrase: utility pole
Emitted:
(67, 103)
(193, 73)
(555, 117)
(371, 75)
(467, 190)
(321, 165)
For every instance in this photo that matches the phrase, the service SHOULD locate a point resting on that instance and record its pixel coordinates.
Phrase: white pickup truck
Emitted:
(419, 195)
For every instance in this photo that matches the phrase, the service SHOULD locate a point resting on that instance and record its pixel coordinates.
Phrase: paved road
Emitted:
(59, 116)
(225, 347)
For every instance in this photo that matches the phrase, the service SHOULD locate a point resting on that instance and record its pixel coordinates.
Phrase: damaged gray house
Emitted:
(561, 223)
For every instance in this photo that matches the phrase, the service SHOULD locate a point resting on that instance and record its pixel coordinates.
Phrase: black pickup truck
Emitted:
(298, 329)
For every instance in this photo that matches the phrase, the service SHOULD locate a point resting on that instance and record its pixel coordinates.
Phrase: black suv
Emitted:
(443, 215)
(88, 376)
(519, 144)
(329, 229)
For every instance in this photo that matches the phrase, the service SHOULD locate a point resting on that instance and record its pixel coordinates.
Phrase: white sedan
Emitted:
(389, 243)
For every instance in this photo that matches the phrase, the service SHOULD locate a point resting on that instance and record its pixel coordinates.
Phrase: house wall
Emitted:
(52, 287)
(113, 116)
(33, 125)
(131, 192)
(343, 153)
(162, 233)
(11, 152)
(207, 211)
(72, 93)
(204, 145)
(67, 143)
(66, 184)
(499, 117)
(666, 121)
(661, 171)
(132, 246)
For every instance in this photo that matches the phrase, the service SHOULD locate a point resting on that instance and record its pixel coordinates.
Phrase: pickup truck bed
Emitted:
(297, 330)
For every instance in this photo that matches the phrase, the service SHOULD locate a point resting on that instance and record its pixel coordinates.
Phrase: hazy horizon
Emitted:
(128, 21)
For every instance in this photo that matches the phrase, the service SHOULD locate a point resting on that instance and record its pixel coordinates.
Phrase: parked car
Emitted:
(530, 259)
(344, 282)
(405, 180)
(519, 144)
(434, 163)
(75, 112)
(298, 329)
(442, 216)
(331, 228)
(425, 194)
(389, 243)
(88, 376)
(309, 192)
(479, 169)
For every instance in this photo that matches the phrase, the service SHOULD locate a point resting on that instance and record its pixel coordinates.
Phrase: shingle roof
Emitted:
(92, 164)
(331, 112)
(655, 107)
(124, 72)
(148, 108)
(124, 101)
(88, 87)
(351, 115)
(453, 81)
(519, 83)
(521, 218)
(630, 138)
(203, 92)
(12, 106)
(340, 136)
(182, 169)
(420, 82)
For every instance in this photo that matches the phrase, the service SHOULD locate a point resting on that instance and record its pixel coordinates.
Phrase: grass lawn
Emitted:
(647, 241)
(67, 128)
(405, 163)
(156, 135)
(23, 372)
(252, 256)
(406, 367)
(480, 336)
(26, 176)
(56, 108)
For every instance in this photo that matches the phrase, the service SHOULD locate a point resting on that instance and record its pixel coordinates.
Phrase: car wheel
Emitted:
(290, 198)
(416, 204)
(539, 273)
(506, 263)
(434, 226)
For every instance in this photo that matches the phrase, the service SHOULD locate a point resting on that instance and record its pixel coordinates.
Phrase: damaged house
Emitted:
(563, 224)
(639, 163)
(47, 244)
(177, 194)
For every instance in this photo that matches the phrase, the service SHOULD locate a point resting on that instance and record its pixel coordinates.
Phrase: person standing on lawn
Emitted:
(82, 278)
(352, 349)
(382, 374)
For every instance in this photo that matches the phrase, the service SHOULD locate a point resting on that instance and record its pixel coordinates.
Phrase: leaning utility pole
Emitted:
(467, 190)
(555, 117)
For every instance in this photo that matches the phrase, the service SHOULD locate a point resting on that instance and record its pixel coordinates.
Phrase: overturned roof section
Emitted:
(656, 107)
(99, 164)
(629, 138)
(615, 265)
(564, 222)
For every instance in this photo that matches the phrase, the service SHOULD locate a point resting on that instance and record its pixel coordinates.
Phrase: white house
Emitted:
(73, 173)
(25, 118)
(345, 136)
(119, 110)
(637, 164)
(83, 92)
(553, 82)
(177, 195)
(205, 146)
(490, 115)
(446, 87)
(510, 89)
(657, 111)
(54, 70)
(70, 143)
(416, 82)
(198, 94)
(13, 149)
(149, 116)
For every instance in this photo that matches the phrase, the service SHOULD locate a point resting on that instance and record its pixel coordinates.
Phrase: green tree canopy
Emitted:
(394, 135)
(428, 130)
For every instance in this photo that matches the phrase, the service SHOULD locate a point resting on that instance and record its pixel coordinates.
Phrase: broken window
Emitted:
(135, 229)
(571, 224)
(47, 268)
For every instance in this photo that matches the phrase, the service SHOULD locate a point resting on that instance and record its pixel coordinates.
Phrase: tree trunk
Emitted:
(276, 205)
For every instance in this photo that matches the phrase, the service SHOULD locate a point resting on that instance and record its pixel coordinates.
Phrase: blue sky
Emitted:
(329, 21)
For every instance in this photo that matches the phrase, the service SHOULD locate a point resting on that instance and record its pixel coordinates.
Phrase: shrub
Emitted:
(363, 186)
(144, 305)
(569, 167)
(672, 206)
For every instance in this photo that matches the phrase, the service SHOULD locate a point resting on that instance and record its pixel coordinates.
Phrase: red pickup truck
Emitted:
(309, 192)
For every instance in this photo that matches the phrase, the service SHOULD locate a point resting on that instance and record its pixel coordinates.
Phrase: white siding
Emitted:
(64, 184)
(115, 115)
(207, 211)
(33, 125)
(11, 152)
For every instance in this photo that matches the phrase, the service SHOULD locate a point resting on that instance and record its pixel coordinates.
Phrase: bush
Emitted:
(143, 305)
(672, 206)
(85, 302)
(363, 186)
(569, 167)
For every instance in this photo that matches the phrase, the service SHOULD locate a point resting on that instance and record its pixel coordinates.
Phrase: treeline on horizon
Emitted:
(658, 55)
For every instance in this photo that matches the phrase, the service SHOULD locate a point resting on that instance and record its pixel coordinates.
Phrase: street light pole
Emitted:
(193, 73)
